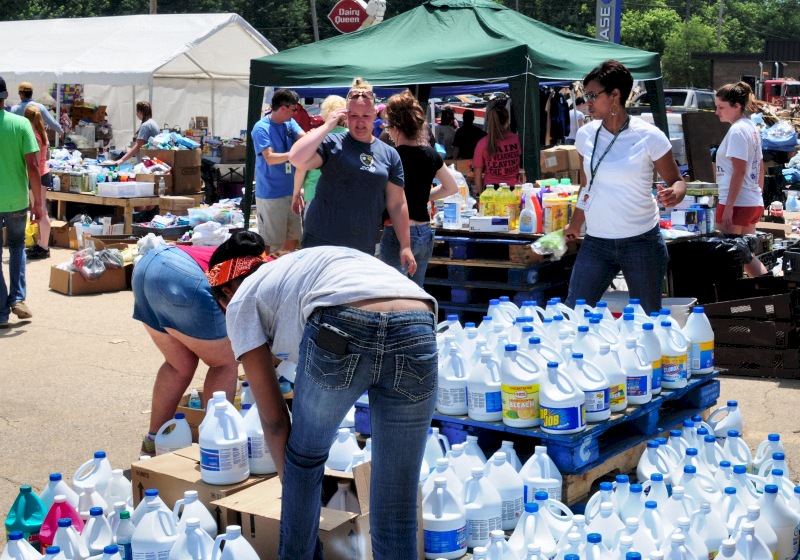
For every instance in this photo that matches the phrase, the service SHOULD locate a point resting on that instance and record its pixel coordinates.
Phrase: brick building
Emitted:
(730, 67)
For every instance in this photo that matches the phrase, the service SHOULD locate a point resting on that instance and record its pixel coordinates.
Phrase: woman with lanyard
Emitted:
(616, 201)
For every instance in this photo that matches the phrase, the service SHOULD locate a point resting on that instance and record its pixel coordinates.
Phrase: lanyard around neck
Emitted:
(592, 167)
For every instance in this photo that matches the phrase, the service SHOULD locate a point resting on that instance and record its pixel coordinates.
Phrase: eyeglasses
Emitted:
(592, 97)
(356, 93)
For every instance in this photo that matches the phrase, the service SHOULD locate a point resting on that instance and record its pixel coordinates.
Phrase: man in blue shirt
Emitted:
(26, 96)
(273, 137)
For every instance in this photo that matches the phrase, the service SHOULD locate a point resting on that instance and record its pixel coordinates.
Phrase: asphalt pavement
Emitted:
(78, 376)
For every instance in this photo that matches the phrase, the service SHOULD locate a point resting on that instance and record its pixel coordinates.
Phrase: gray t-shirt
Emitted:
(272, 305)
(351, 192)
(148, 129)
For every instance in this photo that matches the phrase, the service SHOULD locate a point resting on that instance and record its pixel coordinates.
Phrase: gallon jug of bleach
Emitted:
(173, 435)
(258, 455)
(540, 474)
(223, 448)
(193, 508)
(95, 472)
(700, 336)
(154, 536)
(727, 418)
(192, 542)
(444, 523)
(18, 548)
(561, 403)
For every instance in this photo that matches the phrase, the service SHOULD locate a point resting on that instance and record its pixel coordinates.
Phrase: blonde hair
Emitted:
(330, 104)
(360, 84)
(34, 115)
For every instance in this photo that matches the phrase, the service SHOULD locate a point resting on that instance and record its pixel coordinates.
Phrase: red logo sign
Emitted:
(347, 15)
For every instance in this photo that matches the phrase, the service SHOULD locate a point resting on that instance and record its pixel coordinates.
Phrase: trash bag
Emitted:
(740, 247)
(111, 258)
(88, 264)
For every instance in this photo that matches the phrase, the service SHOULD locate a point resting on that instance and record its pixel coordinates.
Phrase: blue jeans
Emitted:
(421, 246)
(14, 291)
(642, 259)
(391, 355)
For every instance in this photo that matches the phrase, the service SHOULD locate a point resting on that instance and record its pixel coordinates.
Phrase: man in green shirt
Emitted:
(20, 165)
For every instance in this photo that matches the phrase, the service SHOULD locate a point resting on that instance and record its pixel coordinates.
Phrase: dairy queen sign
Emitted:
(351, 15)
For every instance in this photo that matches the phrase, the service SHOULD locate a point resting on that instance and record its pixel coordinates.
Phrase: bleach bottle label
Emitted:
(563, 418)
(441, 542)
(673, 369)
(701, 355)
(637, 386)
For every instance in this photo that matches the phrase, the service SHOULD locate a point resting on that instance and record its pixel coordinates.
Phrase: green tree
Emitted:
(680, 69)
(648, 29)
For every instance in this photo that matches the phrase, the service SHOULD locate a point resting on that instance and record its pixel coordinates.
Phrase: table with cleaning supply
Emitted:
(127, 204)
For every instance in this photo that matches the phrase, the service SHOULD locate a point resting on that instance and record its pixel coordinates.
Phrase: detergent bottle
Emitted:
(193, 508)
(18, 548)
(484, 395)
(59, 510)
(27, 515)
(259, 457)
(528, 218)
(540, 474)
(173, 435)
(700, 336)
(192, 542)
(652, 346)
(765, 451)
(97, 532)
(595, 387)
(562, 404)
(509, 485)
(727, 418)
(55, 487)
(674, 374)
(236, 546)
(444, 523)
(520, 379)
(342, 450)
(532, 528)
(451, 393)
(95, 472)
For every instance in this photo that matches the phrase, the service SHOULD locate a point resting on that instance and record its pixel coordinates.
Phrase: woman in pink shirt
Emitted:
(497, 155)
(41, 250)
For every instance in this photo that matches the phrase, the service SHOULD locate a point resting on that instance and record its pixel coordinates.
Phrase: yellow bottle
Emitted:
(487, 201)
(507, 205)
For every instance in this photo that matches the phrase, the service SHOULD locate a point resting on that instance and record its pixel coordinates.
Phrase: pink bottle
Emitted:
(61, 508)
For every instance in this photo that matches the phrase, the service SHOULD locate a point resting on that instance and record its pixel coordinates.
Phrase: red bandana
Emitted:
(226, 271)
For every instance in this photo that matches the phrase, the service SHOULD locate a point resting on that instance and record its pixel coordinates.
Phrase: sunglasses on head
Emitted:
(356, 93)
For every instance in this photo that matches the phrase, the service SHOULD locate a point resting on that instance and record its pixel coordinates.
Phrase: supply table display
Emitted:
(127, 204)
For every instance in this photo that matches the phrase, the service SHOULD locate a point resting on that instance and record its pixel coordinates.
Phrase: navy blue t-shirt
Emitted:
(351, 192)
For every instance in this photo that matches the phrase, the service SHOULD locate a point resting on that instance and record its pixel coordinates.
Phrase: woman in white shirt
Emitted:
(616, 198)
(740, 167)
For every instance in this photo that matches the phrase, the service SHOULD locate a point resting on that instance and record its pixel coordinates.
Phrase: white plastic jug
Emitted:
(625, 546)
(596, 548)
(603, 495)
(782, 519)
(678, 505)
(509, 485)
(484, 507)
(193, 508)
(570, 547)
(540, 474)
(114, 516)
(17, 548)
(88, 499)
(470, 339)
(707, 523)
(652, 345)
(451, 393)
(154, 535)
(97, 532)
(486, 327)
(777, 461)
(55, 553)
(344, 499)
(595, 387)
(678, 547)
(762, 528)
(150, 497)
(586, 343)
(70, 541)
(218, 397)
(342, 450)
(712, 454)
(460, 462)
(652, 462)
(642, 540)
(766, 448)
(634, 505)
(500, 315)
(562, 404)
(223, 447)
(638, 372)
(545, 350)
(193, 543)
(359, 458)
(728, 550)
(236, 546)
(57, 486)
(173, 435)
(700, 487)
(436, 447)
(736, 450)
(657, 489)
(258, 455)
(444, 469)
(700, 336)
(451, 325)
(532, 528)
(95, 472)
(444, 523)
(727, 418)
(520, 380)
(730, 508)
(609, 363)
(119, 489)
(246, 395)
(507, 447)
(652, 523)
(497, 548)
(607, 524)
(674, 352)
(558, 516)
(751, 545)
(484, 396)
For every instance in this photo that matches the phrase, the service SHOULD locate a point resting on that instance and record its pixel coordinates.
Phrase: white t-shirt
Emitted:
(743, 141)
(623, 204)
(272, 304)
(575, 122)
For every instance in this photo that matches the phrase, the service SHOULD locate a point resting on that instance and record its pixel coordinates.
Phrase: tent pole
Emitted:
(58, 111)
(655, 92)
(213, 103)
(133, 112)
(256, 100)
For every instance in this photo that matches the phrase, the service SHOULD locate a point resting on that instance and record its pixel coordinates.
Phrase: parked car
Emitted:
(677, 100)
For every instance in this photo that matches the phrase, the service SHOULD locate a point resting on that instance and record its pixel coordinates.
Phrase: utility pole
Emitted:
(313, 6)
(719, 22)
(688, 9)
(153, 7)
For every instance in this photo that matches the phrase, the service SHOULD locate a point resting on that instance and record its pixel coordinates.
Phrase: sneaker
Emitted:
(4, 324)
(148, 446)
(21, 310)
(37, 252)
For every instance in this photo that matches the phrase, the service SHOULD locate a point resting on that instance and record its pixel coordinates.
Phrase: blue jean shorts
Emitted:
(170, 290)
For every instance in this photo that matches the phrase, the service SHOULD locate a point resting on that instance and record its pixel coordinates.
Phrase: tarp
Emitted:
(208, 53)
(455, 42)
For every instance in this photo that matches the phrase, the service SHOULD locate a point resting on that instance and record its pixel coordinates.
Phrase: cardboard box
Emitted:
(488, 223)
(234, 154)
(778, 231)
(200, 122)
(554, 159)
(176, 205)
(258, 510)
(149, 178)
(194, 416)
(175, 473)
(185, 165)
(59, 234)
(73, 284)
(573, 157)
(89, 114)
(186, 180)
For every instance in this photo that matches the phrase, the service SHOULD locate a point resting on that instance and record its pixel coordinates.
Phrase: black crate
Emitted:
(791, 265)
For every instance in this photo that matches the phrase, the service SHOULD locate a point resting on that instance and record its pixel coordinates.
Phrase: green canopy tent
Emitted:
(453, 42)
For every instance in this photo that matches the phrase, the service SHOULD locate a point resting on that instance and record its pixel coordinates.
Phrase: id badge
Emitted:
(585, 201)
(288, 168)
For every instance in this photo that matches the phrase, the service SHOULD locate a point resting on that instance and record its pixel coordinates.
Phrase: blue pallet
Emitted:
(463, 248)
(578, 453)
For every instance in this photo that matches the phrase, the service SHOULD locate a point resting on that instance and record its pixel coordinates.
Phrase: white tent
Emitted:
(185, 64)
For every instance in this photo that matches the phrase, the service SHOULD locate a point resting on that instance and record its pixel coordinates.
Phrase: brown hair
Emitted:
(147, 111)
(497, 123)
(406, 115)
(740, 93)
(33, 114)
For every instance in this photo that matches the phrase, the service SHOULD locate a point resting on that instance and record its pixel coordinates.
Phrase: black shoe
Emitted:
(37, 252)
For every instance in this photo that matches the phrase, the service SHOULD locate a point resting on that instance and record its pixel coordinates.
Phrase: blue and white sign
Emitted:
(609, 19)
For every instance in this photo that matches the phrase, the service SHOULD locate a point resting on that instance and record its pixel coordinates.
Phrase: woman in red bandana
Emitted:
(173, 298)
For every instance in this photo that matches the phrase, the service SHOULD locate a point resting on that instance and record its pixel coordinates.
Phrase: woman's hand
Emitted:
(407, 261)
(335, 116)
(727, 219)
(298, 203)
(670, 196)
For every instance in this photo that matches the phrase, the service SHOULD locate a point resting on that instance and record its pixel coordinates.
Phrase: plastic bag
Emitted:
(111, 258)
(780, 137)
(552, 244)
(88, 264)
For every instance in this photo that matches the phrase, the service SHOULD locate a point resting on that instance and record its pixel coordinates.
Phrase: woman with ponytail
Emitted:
(498, 154)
